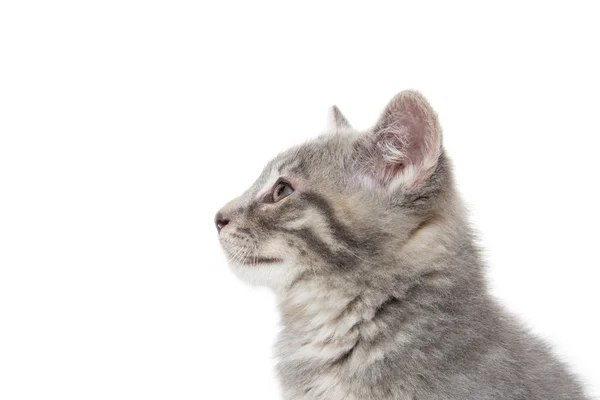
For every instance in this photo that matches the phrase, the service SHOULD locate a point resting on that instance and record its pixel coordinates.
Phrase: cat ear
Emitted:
(339, 121)
(405, 145)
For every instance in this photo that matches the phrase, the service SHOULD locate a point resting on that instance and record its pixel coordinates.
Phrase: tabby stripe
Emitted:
(322, 205)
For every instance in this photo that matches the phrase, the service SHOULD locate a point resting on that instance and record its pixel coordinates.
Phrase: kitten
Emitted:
(380, 285)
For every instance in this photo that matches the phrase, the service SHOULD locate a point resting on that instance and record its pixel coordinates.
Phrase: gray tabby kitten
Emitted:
(380, 285)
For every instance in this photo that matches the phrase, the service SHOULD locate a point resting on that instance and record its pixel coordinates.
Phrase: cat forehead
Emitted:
(321, 152)
(317, 159)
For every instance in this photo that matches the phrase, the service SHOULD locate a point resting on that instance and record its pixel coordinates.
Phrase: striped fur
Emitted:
(378, 279)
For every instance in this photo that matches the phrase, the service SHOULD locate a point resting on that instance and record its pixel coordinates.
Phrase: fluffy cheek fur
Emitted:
(282, 242)
(274, 275)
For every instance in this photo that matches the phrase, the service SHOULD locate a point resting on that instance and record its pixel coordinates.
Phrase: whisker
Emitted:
(357, 256)
(236, 258)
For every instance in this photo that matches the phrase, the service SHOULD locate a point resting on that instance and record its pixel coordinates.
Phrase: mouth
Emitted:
(255, 261)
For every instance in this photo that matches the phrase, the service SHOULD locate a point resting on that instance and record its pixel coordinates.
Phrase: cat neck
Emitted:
(438, 263)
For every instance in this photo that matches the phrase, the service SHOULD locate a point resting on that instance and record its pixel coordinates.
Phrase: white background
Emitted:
(124, 127)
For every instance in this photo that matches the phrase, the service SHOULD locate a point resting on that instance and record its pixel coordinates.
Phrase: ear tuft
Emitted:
(340, 122)
(406, 142)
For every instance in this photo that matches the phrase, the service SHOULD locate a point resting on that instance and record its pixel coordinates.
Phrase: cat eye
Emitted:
(282, 190)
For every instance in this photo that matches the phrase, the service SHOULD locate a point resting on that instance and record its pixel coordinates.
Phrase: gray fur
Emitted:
(378, 279)
(340, 122)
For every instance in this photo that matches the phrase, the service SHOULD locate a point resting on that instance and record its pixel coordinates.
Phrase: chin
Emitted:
(273, 273)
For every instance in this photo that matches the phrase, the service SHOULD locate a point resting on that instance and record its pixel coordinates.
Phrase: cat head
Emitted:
(343, 203)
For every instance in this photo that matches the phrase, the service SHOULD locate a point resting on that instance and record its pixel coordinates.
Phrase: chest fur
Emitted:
(337, 347)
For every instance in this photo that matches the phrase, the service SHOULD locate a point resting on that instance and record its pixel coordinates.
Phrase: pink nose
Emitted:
(221, 221)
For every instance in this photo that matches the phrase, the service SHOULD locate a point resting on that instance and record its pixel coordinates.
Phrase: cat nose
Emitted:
(221, 221)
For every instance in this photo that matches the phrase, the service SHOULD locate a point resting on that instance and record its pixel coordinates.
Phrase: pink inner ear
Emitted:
(407, 137)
